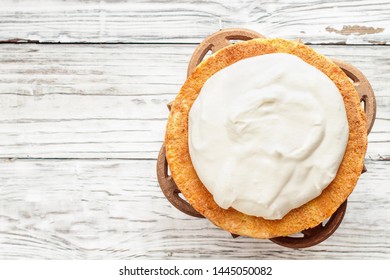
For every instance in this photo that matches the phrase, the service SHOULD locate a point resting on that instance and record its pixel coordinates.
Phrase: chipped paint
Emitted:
(377, 42)
(355, 30)
(381, 158)
(18, 41)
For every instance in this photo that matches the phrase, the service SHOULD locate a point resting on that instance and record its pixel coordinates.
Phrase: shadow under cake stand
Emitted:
(308, 237)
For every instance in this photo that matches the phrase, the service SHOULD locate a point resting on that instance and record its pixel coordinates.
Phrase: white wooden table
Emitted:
(83, 88)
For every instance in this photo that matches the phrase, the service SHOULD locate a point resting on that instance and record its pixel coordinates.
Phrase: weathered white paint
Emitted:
(98, 209)
(64, 109)
(109, 101)
(336, 21)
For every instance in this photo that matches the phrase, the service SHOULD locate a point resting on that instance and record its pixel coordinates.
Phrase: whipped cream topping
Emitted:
(267, 134)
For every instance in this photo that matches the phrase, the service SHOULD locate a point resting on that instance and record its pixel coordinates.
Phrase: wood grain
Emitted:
(336, 21)
(97, 209)
(81, 124)
(109, 101)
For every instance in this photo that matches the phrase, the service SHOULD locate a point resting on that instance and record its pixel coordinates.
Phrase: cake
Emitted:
(239, 220)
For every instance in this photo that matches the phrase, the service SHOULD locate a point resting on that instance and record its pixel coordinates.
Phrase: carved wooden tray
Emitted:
(309, 237)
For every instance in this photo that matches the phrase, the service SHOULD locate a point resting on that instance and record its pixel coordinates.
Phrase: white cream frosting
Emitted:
(267, 134)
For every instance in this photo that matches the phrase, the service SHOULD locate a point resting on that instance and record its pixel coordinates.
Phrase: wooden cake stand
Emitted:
(309, 237)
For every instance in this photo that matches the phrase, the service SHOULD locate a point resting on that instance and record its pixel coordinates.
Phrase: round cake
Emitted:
(266, 138)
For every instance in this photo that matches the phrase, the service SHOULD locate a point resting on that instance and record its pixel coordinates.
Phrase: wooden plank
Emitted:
(336, 21)
(93, 101)
(113, 209)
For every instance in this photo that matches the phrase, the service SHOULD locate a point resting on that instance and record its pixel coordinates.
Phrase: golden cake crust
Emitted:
(309, 214)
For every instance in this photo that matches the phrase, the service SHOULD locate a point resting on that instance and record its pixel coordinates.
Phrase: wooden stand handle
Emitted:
(217, 41)
(363, 88)
(315, 235)
(169, 187)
